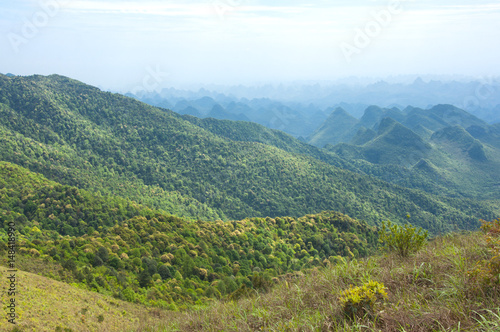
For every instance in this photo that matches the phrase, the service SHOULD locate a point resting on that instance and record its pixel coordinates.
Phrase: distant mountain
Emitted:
(218, 112)
(417, 119)
(478, 97)
(488, 134)
(336, 128)
(190, 110)
(372, 116)
(458, 139)
(448, 145)
(393, 143)
(294, 119)
(342, 127)
(205, 104)
(363, 135)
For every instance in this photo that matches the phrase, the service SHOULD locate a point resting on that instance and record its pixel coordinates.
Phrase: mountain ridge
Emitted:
(124, 139)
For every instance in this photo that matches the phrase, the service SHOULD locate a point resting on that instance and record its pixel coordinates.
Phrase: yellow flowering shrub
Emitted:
(359, 301)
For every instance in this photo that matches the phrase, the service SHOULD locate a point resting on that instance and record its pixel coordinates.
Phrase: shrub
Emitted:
(359, 301)
(404, 240)
(487, 273)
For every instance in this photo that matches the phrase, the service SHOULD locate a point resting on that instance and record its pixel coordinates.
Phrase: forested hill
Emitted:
(442, 150)
(106, 142)
(117, 247)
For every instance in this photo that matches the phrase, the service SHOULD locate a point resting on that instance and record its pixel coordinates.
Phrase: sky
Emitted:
(129, 45)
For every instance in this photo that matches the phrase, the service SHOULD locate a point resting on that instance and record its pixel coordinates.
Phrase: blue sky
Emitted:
(125, 45)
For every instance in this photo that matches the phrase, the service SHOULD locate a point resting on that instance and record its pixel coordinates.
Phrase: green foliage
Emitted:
(138, 254)
(359, 301)
(404, 240)
(115, 145)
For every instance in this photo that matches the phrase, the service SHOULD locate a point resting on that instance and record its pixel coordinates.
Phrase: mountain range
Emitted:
(450, 146)
(172, 212)
(78, 135)
(299, 108)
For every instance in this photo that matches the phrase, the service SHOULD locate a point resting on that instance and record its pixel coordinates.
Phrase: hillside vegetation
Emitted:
(44, 304)
(80, 136)
(436, 289)
(442, 150)
(432, 290)
(117, 247)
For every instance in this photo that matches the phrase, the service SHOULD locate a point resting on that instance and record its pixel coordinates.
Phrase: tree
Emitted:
(144, 278)
(164, 272)
(103, 253)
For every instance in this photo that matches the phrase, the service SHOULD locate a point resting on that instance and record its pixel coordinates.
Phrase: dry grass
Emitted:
(429, 291)
(44, 304)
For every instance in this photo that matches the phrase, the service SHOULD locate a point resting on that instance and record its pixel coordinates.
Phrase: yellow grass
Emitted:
(43, 304)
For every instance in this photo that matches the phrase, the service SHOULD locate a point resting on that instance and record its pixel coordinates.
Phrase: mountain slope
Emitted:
(346, 156)
(334, 129)
(394, 143)
(79, 130)
(44, 304)
(117, 247)
(463, 150)
(416, 119)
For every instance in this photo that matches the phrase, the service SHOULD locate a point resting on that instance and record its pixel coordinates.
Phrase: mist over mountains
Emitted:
(300, 108)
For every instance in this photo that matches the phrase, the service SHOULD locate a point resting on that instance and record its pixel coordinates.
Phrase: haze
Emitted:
(122, 45)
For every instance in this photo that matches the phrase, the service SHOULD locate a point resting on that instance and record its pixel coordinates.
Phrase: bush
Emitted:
(360, 301)
(487, 273)
(404, 240)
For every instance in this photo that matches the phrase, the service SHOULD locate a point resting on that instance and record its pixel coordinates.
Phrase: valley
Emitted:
(168, 212)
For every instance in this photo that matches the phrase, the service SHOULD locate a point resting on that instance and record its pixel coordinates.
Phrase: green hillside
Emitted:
(432, 291)
(336, 128)
(351, 157)
(463, 150)
(393, 144)
(80, 136)
(134, 253)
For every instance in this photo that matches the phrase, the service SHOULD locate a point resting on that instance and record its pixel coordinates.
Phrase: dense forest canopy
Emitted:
(80, 136)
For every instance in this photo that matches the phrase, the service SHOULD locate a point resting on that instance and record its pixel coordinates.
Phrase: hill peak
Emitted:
(386, 124)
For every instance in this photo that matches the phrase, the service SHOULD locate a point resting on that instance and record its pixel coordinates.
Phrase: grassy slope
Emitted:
(427, 292)
(44, 304)
(430, 291)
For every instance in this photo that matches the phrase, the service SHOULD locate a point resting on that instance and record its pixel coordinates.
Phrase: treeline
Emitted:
(132, 252)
